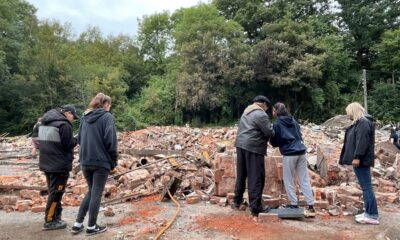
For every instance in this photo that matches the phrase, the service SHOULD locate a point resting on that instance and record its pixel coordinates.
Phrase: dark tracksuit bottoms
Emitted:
(56, 183)
(251, 166)
(96, 178)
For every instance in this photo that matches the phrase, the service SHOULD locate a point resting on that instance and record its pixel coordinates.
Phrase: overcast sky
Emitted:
(112, 16)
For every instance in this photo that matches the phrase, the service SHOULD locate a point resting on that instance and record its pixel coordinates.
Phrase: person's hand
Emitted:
(356, 162)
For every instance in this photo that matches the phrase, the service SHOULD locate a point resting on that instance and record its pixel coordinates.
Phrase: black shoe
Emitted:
(96, 230)
(54, 225)
(265, 209)
(76, 230)
(309, 212)
(256, 212)
(235, 206)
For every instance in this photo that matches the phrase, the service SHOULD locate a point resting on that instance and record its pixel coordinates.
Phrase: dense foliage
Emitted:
(203, 64)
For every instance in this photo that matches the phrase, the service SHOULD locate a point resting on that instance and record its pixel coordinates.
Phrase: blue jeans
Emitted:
(364, 178)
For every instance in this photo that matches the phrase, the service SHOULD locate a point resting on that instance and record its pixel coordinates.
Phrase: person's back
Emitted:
(254, 130)
(288, 136)
(97, 139)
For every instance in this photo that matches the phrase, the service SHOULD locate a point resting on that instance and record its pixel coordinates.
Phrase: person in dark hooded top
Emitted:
(98, 156)
(290, 142)
(55, 159)
(251, 145)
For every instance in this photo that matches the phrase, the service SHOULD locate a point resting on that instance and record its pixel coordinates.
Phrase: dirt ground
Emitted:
(144, 218)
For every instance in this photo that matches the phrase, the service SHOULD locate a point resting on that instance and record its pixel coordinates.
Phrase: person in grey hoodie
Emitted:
(98, 155)
(290, 142)
(251, 145)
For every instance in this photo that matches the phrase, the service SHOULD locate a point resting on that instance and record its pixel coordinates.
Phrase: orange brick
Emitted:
(37, 209)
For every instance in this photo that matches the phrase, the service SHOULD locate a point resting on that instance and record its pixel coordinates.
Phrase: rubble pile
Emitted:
(204, 160)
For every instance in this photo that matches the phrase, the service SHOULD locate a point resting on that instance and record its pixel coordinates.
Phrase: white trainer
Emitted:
(367, 220)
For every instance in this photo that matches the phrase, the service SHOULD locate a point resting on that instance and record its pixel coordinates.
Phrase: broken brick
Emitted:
(192, 199)
(37, 209)
(29, 194)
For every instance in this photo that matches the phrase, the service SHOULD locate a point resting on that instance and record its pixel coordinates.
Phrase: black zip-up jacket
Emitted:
(288, 137)
(98, 139)
(254, 130)
(359, 143)
(56, 143)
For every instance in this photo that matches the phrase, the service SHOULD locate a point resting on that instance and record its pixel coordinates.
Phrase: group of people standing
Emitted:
(98, 155)
(256, 130)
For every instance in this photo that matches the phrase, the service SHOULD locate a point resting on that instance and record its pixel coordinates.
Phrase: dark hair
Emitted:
(99, 100)
(281, 110)
(262, 99)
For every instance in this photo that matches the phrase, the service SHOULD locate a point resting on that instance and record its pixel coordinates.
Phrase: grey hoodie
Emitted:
(98, 139)
(254, 131)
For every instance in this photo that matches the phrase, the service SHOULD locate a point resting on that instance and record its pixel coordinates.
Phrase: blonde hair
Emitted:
(98, 101)
(356, 111)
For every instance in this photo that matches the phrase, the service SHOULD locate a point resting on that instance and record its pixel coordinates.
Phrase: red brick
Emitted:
(37, 209)
(322, 204)
(218, 175)
(193, 199)
(29, 194)
(8, 200)
(22, 205)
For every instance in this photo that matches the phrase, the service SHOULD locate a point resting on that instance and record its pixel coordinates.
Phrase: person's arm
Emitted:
(275, 139)
(362, 138)
(110, 138)
(68, 142)
(264, 123)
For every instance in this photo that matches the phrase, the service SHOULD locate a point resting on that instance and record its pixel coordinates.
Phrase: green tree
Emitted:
(388, 53)
(366, 21)
(213, 60)
(155, 40)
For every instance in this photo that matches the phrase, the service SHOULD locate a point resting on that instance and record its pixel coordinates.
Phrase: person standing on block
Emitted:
(251, 146)
(290, 142)
(98, 155)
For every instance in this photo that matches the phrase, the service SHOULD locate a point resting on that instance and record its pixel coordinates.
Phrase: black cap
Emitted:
(70, 108)
(263, 99)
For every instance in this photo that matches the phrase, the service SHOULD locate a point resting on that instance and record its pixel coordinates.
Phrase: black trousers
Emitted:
(251, 166)
(56, 183)
(96, 178)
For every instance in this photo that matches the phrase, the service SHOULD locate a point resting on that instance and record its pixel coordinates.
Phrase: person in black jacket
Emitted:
(251, 145)
(290, 142)
(55, 159)
(358, 151)
(394, 134)
(98, 155)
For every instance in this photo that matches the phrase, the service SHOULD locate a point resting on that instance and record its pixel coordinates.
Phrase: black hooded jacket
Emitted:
(56, 142)
(359, 143)
(288, 136)
(98, 139)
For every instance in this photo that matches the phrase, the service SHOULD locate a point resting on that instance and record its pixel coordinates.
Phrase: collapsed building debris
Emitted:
(204, 162)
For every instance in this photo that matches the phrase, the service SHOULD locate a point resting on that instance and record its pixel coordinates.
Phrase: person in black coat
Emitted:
(98, 156)
(55, 159)
(358, 151)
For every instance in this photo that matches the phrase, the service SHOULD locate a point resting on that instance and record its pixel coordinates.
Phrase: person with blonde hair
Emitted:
(98, 155)
(358, 151)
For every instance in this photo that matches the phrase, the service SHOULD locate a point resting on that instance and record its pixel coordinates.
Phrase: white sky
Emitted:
(112, 16)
